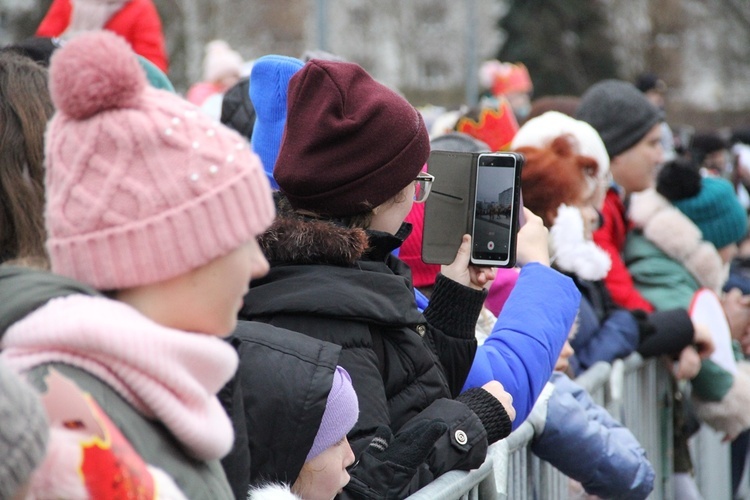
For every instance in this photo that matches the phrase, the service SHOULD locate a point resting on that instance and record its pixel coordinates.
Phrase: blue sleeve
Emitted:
(615, 337)
(616, 464)
(530, 331)
(421, 300)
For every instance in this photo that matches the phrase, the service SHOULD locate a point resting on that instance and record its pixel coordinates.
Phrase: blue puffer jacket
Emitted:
(528, 336)
(615, 464)
(616, 336)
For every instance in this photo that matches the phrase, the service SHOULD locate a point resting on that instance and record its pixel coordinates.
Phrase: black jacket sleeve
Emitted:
(462, 445)
(452, 318)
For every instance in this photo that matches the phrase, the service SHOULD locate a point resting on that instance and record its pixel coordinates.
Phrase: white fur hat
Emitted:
(543, 129)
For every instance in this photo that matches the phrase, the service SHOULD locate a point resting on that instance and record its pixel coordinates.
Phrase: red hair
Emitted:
(554, 175)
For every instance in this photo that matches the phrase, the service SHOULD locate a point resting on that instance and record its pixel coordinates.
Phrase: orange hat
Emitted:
(496, 127)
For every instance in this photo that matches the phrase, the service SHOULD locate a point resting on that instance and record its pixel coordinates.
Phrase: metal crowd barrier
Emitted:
(637, 393)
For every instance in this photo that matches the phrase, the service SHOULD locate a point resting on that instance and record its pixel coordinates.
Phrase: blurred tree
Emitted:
(565, 45)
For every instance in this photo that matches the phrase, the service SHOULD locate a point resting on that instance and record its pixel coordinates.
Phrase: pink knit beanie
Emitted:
(141, 186)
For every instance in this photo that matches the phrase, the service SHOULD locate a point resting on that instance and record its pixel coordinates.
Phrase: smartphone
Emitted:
(496, 209)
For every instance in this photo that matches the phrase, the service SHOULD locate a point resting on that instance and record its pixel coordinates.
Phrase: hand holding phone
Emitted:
(463, 272)
(533, 240)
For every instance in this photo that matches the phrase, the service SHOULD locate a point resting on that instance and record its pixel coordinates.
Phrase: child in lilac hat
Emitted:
(324, 472)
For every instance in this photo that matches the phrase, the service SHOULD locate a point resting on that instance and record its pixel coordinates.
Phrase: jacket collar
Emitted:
(676, 235)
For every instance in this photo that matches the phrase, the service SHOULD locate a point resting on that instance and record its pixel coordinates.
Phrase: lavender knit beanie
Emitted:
(141, 186)
(340, 415)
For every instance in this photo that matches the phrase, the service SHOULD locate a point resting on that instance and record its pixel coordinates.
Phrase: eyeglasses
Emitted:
(424, 184)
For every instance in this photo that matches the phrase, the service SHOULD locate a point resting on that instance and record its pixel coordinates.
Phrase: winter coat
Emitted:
(344, 286)
(138, 22)
(276, 402)
(611, 237)
(605, 330)
(613, 464)
(528, 336)
(166, 408)
(669, 262)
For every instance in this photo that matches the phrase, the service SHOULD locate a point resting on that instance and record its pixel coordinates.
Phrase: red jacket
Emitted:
(611, 237)
(138, 22)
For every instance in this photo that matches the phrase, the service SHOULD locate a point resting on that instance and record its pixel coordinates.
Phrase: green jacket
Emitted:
(667, 284)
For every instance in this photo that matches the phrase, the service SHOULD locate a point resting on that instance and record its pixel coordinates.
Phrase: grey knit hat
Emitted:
(619, 112)
(23, 432)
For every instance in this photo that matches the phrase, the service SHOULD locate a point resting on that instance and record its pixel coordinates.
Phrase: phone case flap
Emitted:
(447, 213)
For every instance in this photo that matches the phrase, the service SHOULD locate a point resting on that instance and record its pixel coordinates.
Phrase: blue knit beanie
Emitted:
(269, 82)
(716, 211)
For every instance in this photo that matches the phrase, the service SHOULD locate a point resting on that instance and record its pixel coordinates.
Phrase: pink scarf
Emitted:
(168, 375)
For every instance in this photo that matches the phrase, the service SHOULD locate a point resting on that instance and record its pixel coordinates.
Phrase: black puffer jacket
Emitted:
(343, 286)
(276, 402)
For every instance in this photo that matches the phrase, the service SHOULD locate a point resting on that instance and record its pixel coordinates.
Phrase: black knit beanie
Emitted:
(619, 112)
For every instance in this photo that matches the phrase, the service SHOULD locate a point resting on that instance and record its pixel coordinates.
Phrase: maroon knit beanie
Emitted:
(350, 143)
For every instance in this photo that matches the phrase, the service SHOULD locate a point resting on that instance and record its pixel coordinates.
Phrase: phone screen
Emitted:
(494, 226)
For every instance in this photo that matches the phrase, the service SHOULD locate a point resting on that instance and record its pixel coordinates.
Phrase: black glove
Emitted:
(411, 446)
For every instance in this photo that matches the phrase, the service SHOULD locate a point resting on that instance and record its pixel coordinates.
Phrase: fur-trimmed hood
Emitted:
(678, 237)
(292, 239)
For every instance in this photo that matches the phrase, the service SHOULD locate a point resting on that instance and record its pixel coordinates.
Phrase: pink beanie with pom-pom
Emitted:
(141, 187)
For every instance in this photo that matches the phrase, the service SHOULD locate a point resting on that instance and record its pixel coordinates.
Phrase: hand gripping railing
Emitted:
(636, 392)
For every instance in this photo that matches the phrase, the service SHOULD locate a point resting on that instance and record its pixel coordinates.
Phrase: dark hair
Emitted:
(25, 108)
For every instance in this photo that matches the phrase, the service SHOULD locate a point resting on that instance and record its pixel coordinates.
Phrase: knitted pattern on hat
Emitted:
(269, 82)
(141, 186)
(716, 211)
(619, 112)
(350, 142)
(340, 415)
(23, 432)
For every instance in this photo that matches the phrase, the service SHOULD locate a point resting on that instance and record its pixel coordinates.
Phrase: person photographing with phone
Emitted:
(348, 177)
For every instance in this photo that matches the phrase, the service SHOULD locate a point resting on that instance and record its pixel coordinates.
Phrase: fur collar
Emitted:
(271, 492)
(292, 239)
(571, 251)
(678, 237)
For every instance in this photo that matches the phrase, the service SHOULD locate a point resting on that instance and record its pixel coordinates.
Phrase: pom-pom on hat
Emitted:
(141, 186)
(350, 143)
(713, 206)
(619, 112)
(269, 82)
(221, 62)
(677, 180)
(340, 415)
(23, 432)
